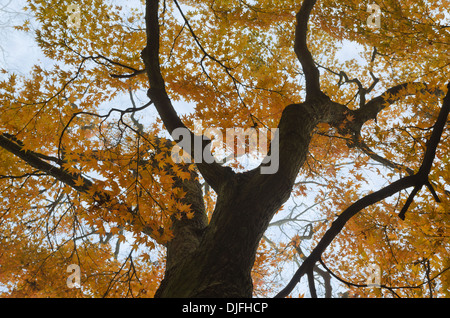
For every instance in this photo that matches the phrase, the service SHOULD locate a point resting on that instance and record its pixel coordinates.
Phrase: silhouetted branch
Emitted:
(312, 75)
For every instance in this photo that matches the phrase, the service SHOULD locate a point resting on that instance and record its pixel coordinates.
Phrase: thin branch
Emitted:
(353, 284)
(99, 56)
(139, 126)
(426, 264)
(25, 175)
(357, 141)
(226, 68)
(135, 71)
(197, 41)
(312, 286)
(74, 115)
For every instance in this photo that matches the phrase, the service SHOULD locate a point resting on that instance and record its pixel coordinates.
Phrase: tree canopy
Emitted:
(355, 92)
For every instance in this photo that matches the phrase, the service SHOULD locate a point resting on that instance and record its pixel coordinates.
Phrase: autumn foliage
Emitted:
(87, 177)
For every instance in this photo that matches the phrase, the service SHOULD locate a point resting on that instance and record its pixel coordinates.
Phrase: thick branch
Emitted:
(371, 109)
(186, 237)
(339, 224)
(312, 75)
(150, 55)
(34, 160)
(433, 142)
(358, 142)
(214, 174)
(417, 180)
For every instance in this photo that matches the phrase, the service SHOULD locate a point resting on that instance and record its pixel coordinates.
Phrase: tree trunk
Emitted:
(220, 264)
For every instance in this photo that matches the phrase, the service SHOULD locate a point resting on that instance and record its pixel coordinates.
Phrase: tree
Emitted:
(74, 179)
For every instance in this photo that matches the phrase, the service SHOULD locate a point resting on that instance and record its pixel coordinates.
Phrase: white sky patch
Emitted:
(350, 50)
